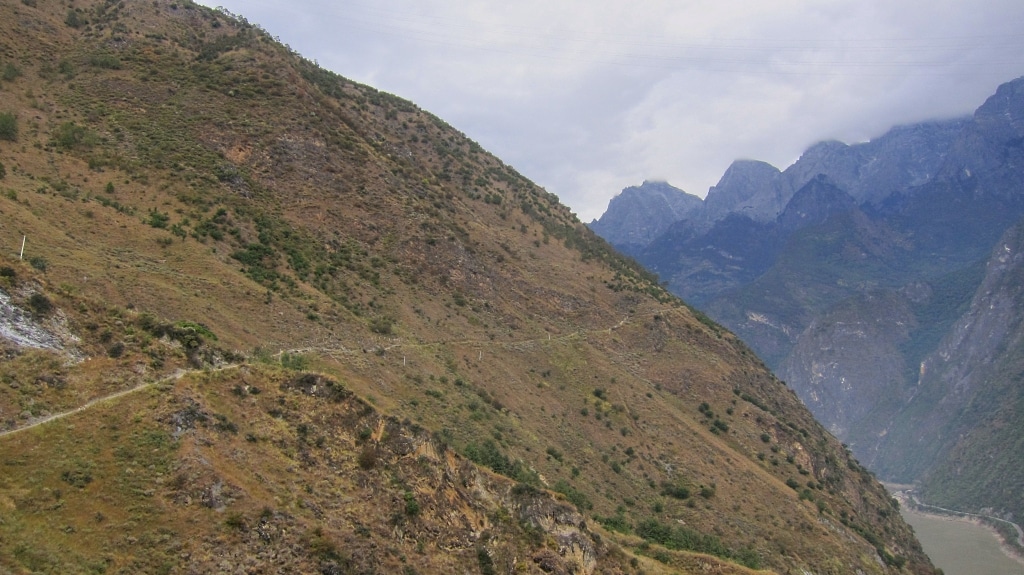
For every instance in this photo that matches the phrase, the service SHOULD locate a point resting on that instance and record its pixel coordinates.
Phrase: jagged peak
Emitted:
(823, 149)
(746, 167)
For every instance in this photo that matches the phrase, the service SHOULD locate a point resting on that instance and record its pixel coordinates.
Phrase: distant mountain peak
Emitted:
(638, 214)
(814, 203)
(752, 187)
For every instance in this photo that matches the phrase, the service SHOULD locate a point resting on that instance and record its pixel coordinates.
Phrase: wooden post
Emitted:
(21, 256)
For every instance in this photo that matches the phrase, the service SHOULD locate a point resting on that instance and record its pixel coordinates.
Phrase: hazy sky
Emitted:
(586, 97)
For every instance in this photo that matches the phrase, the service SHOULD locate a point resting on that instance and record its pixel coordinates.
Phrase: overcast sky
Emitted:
(586, 97)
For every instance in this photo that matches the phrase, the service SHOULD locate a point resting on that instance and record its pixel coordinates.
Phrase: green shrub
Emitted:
(575, 496)
(488, 454)
(73, 19)
(10, 72)
(412, 507)
(224, 424)
(235, 521)
(616, 522)
(78, 478)
(368, 457)
(485, 561)
(70, 135)
(158, 219)
(117, 350)
(8, 126)
(675, 491)
(294, 361)
(40, 304)
(382, 325)
(107, 61)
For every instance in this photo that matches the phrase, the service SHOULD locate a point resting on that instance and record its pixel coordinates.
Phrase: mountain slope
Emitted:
(360, 302)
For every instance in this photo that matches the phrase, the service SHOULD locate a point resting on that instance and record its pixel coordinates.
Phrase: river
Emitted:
(961, 547)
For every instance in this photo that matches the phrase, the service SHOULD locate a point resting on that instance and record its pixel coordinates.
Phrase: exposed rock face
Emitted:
(641, 213)
(18, 327)
(42, 328)
(846, 355)
(903, 157)
(752, 188)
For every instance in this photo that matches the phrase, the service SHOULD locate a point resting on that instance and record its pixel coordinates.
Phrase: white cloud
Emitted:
(588, 97)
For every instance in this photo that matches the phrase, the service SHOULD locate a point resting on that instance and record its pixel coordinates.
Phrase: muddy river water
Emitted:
(961, 547)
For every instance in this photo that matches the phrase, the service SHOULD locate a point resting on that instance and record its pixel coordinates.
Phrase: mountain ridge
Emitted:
(848, 299)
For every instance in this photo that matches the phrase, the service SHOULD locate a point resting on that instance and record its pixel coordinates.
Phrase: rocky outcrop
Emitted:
(35, 324)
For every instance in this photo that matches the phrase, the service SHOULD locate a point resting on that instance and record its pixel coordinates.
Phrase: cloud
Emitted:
(588, 97)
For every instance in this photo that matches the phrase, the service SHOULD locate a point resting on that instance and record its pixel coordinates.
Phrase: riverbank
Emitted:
(959, 543)
(962, 546)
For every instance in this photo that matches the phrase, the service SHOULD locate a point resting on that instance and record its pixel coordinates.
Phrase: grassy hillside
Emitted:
(357, 342)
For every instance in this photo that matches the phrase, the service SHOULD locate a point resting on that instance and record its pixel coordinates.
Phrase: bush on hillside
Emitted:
(8, 127)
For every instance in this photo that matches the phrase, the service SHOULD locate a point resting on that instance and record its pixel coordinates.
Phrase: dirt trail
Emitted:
(80, 408)
(176, 375)
(331, 352)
